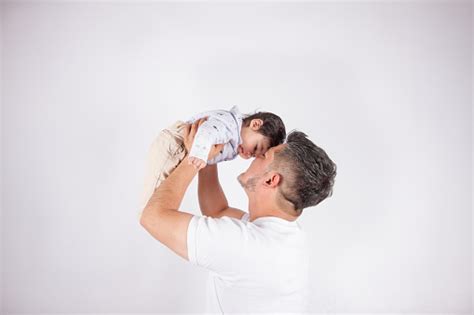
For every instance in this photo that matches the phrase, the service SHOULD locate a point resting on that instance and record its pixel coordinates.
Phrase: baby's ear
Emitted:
(256, 123)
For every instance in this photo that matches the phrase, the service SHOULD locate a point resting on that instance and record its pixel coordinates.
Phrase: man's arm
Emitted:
(212, 200)
(161, 217)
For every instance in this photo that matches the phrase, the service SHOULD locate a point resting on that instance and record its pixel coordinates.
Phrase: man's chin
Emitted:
(248, 184)
(240, 180)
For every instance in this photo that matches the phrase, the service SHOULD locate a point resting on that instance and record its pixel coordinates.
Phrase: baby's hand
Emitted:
(197, 163)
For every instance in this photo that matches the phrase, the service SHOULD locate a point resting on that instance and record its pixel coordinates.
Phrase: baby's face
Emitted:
(253, 144)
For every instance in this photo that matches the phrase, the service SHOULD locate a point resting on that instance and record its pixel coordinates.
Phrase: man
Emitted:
(258, 262)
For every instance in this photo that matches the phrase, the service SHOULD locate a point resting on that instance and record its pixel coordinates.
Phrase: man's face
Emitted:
(258, 168)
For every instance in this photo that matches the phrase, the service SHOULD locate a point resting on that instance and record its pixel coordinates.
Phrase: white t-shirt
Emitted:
(259, 266)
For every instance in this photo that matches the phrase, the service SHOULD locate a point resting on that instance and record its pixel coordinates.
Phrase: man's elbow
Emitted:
(150, 217)
(146, 218)
(143, 220)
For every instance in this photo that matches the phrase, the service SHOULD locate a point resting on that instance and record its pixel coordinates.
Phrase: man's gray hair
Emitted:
(308, 173)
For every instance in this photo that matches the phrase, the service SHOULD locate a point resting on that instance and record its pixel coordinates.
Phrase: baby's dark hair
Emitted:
(273, 127)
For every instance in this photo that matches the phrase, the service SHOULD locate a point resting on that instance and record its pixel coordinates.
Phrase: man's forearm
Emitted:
(170, 193)
(211, 196)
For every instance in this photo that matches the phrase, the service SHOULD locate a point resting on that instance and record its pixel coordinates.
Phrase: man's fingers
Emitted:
(201, 121)
(193, 130)
(196, 125)
(190, 132)
(218, 148)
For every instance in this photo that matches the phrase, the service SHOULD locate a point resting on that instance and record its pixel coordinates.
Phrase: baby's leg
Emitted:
(165, 154)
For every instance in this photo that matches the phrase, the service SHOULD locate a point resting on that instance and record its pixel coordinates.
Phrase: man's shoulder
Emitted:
(224, 219)
(215, 237)
(223, 227)
(234, 213)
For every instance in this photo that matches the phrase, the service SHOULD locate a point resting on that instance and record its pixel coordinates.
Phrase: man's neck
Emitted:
(263, 208)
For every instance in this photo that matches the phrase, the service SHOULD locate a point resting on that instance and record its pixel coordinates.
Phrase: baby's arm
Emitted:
(211, 132)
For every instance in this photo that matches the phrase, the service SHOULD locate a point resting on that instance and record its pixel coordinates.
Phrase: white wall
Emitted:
(384, 88)
(1, 158)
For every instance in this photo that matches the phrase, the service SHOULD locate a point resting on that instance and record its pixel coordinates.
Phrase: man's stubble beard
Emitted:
(250, 183)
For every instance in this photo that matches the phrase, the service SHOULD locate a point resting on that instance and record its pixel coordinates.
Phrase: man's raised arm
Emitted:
(162, 217)
(212, 200)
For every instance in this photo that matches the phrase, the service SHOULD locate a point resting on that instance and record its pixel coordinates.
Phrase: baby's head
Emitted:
(260, 131)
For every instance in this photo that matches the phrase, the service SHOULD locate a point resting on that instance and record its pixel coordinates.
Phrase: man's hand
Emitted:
(188, 139)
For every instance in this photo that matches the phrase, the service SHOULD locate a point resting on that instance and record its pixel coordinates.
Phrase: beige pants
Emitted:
(166, 152)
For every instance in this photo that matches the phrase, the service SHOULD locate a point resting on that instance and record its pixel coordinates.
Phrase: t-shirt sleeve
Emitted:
(217, 244)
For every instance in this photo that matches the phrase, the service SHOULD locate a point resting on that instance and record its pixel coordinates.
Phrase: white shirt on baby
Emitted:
(221, 126)
(259, 266)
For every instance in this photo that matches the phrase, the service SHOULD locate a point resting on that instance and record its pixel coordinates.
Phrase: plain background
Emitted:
(384, 88)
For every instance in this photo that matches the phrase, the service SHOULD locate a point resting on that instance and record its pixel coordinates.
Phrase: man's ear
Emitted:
(255, 124)
(273, 180)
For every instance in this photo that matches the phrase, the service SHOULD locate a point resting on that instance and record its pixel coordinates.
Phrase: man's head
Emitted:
(260, 132)
(296, 175)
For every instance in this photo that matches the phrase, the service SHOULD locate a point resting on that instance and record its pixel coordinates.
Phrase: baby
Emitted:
(243, 135)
